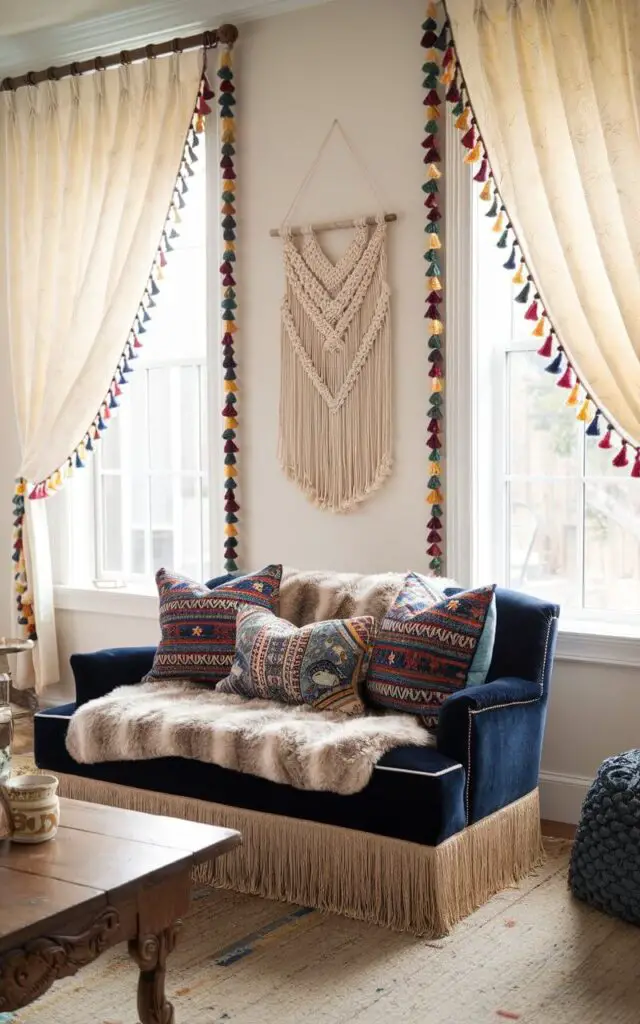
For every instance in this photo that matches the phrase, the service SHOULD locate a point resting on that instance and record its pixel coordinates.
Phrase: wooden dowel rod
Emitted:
(333, 225)
(226, 34)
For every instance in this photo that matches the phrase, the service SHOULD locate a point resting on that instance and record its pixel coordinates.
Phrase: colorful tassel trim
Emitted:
(451, 79)
(77, 458)
(229, 324)
(434, 60)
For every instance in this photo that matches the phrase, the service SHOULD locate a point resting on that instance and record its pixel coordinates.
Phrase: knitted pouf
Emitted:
(605, 862)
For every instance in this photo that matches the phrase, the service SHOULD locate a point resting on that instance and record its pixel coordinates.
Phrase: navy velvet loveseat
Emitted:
(435, 832)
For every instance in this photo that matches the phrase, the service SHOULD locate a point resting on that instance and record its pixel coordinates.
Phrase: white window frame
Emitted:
(470, 558)
(76, 515)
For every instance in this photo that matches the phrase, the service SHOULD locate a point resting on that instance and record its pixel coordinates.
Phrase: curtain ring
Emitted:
(75, 69)
(7, 85)
(98, 64)
(125, 57)
(150, 52)
(52, 74)
(176, 45)
(31, 78)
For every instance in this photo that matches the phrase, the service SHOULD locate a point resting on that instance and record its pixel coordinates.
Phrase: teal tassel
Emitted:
(430, 82)
(228, 221)
(230, 484)
(458, 109)
(431, 127)
(225, 73)
(435, 564)
(429, 26)
(436, 510)
(229, 304)
(230, 517)
(227, 149)
(434, 341)
(523, 296)
(434, 456)
(230, 565)
(430, 68)
(228, 435)
(79, 462)
(228, 197)
(502, 244)
(493, 212)
(431, 187)
(230, 459)
(434, 483)
(229, 256)
(436, 398)
(435, 413)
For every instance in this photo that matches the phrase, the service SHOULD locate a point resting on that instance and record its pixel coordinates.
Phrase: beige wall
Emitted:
(359, 60)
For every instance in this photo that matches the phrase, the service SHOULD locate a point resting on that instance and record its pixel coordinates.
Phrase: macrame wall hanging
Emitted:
(335, 385)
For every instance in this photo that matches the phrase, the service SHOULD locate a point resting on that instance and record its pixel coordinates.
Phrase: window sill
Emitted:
(595, 643)
(132, 602)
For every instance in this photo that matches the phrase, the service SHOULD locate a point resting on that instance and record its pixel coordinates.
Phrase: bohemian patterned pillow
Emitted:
(323, 664)
(199, 625)
(423, 651)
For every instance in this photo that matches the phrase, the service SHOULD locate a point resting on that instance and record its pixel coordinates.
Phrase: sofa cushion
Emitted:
(323, 664)
(415, 793)
(425, 651)
(198, 625)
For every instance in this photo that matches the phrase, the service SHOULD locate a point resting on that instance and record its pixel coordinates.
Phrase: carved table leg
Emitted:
(150, 952)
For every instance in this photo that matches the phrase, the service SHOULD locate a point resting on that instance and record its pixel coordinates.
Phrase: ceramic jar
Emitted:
(31, 807)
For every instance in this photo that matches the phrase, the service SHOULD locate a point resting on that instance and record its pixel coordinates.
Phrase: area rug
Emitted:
(532, 954)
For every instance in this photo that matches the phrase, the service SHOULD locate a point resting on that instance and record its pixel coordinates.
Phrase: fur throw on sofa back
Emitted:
(315, 596)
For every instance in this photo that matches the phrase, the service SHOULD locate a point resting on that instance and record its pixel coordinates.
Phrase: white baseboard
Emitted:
(561, 796)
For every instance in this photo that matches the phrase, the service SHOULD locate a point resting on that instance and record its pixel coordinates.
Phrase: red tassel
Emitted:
(230, 448)
(428, 40)
(226, 268)
(434, 550)
(621, 458)
(433, 156)
(231, 506)
(434, 297)
(635, 472)
(432, 99)
(229, 410)
(433, 537)
(606, 440)
(433, 427)
(203, 107)
(431, 202)
(547, 347)
(162, 258)
(566, 380)
(136, 342)
(435, 523)
(106, 414)
(453, 94)
(228, 281)
(434, 442)
(434, 216)
(227, 339)
(433, 313)
(435, 371)
(532, 312)
(429, 140)
(225, 86)
(468, 140)
(482, 173)
(448, 57)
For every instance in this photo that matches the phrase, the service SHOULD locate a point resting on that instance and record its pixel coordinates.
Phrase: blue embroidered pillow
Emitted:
(198, 625)
(424, 651)
(323, 664)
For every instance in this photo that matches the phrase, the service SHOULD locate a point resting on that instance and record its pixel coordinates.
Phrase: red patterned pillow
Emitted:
(199, 625)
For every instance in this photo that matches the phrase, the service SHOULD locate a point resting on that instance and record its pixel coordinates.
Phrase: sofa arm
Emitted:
(495, 731)
(101, 672)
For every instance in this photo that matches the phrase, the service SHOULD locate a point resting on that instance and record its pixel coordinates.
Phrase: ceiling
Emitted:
(37, 33)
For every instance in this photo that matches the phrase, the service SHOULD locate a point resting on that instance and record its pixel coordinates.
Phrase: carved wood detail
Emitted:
(28, 972)
(150, 952)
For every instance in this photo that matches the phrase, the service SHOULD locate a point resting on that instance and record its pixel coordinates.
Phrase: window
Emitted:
(555, 518)
(146, 492)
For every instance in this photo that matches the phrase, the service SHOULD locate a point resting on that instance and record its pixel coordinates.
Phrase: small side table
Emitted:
(8, 646)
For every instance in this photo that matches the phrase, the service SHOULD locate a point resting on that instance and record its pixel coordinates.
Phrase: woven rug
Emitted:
(531, 954)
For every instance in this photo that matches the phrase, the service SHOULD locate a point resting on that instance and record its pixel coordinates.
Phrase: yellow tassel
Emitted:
(225, 59)
(498, 227)
(231, 246)
(435, 468)
(230, 423)
(474, 154)
(436, 327)
(433, 113)
(159, 273)
(433, 172)
(431, 55)
(486, 193)
(437, 385)
(448, 74)
(230, 530)
(434, 242)
(228, 124)
(540, 329)
(520, 275)
(434, 284)
(462, 122)
(230, 385)
(229, 471)
(434, 497)
(573, 396)
(199, 124)
(68, 470)
(584, 413)
(431, 11)
(177, 219)
(229, 327)
(21, 487)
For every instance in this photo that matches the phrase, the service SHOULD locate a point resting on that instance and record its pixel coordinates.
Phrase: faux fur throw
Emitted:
(307, 596)
(294, 745)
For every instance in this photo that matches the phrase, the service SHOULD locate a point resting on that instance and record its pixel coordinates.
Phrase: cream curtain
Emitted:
(87, 166)
(555, 86)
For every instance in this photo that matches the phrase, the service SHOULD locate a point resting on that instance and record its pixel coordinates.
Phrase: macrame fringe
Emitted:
(228, 305)
(109, 405)
(450, 77)
(424, 890)
(431, 68)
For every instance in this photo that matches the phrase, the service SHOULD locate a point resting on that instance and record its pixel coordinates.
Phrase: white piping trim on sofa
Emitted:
(415, 771)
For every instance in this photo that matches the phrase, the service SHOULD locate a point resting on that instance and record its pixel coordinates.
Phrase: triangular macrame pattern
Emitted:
(335, 394)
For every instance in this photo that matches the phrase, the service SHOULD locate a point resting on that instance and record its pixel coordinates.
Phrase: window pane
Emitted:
(159, 425)
(544, 439)
(111, 457)
(191, 560)
(544, 539)
(163, 550)
(112, 523)
(189, 417)
(612, 546)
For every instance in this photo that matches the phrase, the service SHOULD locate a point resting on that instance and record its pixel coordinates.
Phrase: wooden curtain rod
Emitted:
(333, 225)
(226, 34)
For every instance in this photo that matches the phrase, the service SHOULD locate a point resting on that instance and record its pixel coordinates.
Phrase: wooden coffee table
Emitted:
(109, 876)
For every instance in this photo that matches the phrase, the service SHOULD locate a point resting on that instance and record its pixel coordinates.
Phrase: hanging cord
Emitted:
(335, 125)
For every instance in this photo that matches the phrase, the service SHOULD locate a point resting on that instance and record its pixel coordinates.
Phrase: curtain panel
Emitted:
(88, 168)
(554, 88)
